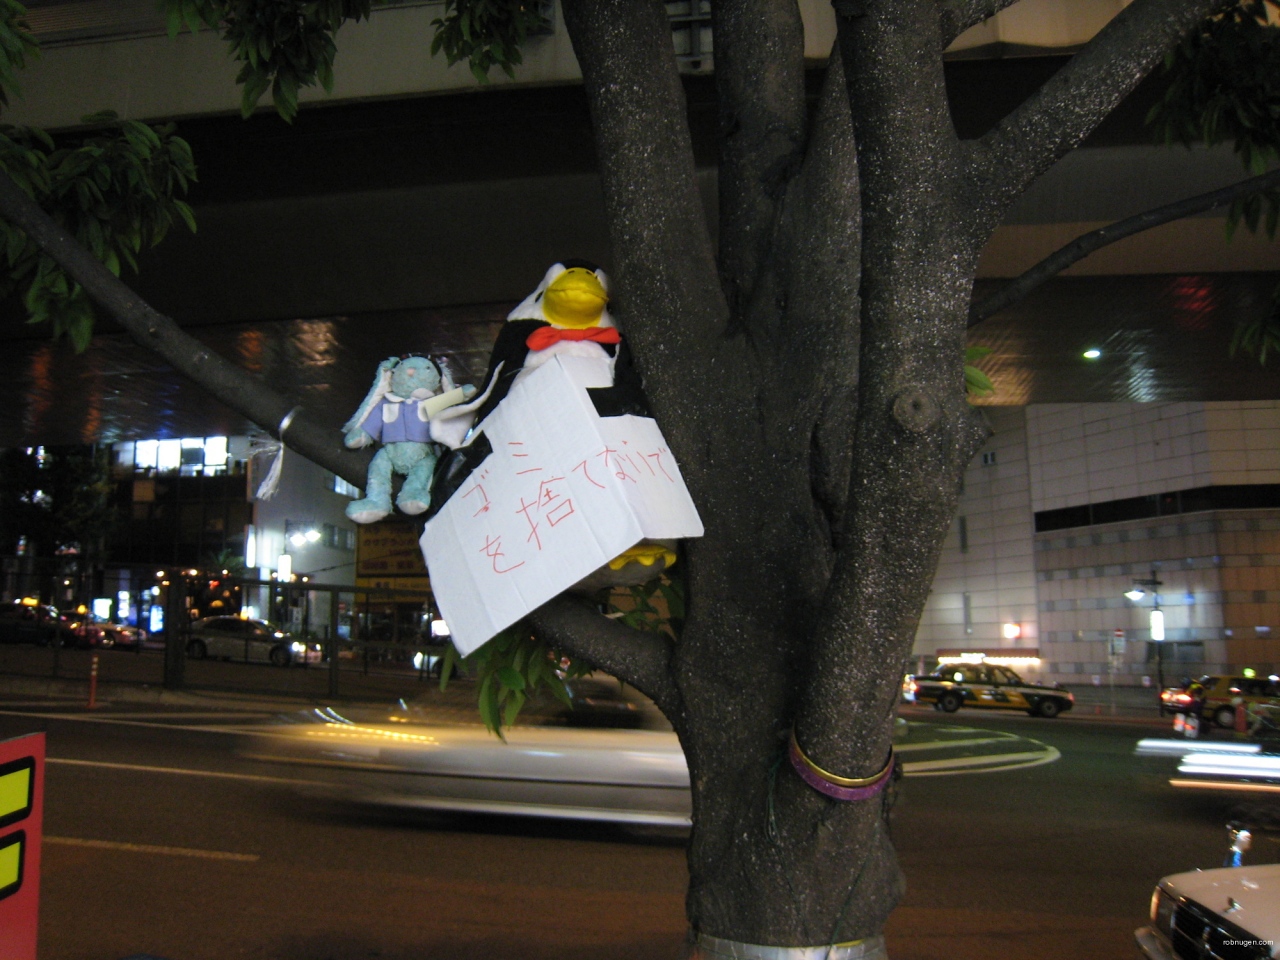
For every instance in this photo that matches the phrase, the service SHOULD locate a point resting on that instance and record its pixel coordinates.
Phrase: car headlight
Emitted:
(298, 647)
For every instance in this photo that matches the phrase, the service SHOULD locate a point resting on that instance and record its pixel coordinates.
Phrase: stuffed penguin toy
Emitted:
(566, 315)
(397, 411)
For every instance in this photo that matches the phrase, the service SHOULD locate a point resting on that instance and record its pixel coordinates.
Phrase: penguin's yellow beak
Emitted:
(575, 299)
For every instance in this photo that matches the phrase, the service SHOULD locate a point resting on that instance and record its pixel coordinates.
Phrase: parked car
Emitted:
(986, 685)
(1231, 913)
(592, 762)
(1212, 697)
(251, 641)
(29, 622)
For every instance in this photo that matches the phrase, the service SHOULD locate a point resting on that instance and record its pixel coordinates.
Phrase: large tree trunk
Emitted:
(812, 388)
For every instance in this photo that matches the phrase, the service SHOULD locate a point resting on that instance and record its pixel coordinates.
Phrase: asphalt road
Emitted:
(159, 840)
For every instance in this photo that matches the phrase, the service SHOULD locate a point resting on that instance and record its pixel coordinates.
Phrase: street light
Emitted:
(1156, 619)
(300, 532)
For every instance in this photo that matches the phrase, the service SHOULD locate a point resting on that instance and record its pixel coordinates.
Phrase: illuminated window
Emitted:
(169, 455)
(215, 451)
(145, 456)
(346, 489)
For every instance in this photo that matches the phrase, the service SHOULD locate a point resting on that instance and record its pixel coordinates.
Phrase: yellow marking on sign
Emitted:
(11, 864)
(15, 791)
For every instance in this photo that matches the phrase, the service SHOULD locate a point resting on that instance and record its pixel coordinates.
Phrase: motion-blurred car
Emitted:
(249, 641)
(88, 630)
(986, 685)
(1232, 767)
(1232, 913)
(1214, 696)
(575, 764)
(123, 636)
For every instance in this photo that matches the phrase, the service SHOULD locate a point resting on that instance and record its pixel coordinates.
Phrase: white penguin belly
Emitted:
(585, 349)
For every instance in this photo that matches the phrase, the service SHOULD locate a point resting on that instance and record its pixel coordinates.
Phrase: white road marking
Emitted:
(151, 848)
(947, 744)
(986, 762)
(989, 763)
(181, 771)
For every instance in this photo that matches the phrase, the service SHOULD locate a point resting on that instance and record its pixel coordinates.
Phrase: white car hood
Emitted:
(1255, 888)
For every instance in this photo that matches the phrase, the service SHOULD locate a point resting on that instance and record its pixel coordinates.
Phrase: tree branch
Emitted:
(957, 16)
(670, 301)
(908, 156)
(154, 331)
(1082, 246)
(1077, 98)
(760, 84)
(641, 658)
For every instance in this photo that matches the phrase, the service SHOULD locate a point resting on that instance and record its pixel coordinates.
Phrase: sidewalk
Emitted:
(125, 676)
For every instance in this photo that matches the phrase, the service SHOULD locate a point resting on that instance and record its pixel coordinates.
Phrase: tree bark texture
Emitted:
(809, 377)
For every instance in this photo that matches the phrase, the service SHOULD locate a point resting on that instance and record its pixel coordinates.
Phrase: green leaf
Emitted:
(511, 678)
(512, 709)
(186, 213)
(976, 383)
(285, 97)
(561, 692)
(80, 329)
(447, 668)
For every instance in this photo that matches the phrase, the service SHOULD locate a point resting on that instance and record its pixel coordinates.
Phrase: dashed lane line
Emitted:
(180, 771)
(152, 848)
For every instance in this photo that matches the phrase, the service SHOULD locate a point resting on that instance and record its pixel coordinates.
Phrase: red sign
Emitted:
(21, 826)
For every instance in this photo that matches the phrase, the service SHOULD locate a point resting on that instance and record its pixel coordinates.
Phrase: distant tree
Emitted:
(809, 373)
(56, 500)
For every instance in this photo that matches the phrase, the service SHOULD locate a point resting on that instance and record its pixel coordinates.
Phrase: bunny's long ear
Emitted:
(381, 384)
(446, 375)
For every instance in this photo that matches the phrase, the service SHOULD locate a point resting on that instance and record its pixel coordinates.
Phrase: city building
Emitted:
(1116, 542)
(409, 211)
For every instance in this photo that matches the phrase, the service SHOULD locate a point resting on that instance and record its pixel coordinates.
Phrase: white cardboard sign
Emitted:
(563, 492)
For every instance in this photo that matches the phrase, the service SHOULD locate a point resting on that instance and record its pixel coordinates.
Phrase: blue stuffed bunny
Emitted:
(406, 393)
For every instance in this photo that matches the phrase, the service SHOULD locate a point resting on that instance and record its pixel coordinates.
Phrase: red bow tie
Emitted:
(544, 337)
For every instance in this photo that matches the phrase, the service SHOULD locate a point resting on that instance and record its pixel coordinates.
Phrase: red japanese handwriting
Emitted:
(493, 550)
(483, 501)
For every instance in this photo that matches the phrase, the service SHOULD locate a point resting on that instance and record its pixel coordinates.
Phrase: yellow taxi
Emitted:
(986, 685)
(1216, 697)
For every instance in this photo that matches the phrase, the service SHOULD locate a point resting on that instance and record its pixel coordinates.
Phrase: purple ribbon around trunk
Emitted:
(828, 784)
